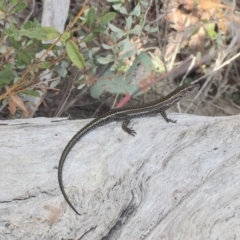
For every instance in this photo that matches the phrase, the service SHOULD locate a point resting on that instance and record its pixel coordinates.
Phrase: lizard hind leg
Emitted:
(164, 115)
(128, 129)
(126, 121)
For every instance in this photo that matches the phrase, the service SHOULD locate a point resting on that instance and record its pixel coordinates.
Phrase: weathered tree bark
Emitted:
(170, 181)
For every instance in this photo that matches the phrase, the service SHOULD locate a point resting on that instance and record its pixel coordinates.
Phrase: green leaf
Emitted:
(81, 86)
(14, 31)
(44, 33)
(3, 6)
(122, 84)
(9, 32)
(128, 54)
(91, 17)
(31, 33)
(144, 3)
(105, 60)
(15, 44)
(62, 71)
(153, 30)
(127, 45)
(43, 65)
(117, 6)
(147, 28)
(107, 47)
(112, 84)
(123, 10)
(23, 57)
(6, 76)
(96, 91)
(36, 24)
(99, 30)
(210, 27)
(34, 46)
(65, 36)
(31, 93)
(29, 43)
(42, 46)
(74, 55)
(136, 30)
(195, 30)
(20, 7)
(129, 22)
(13, 2)
(89, 37)
(136, 11)
(114, 28)
(26, 25)
(48, 33)
(106, 18)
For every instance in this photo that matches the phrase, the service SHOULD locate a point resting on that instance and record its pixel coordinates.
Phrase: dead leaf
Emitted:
(18, 101)
(202, 5)
(12, 107)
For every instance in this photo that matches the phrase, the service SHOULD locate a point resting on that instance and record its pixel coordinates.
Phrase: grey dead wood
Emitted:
(170, 181)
